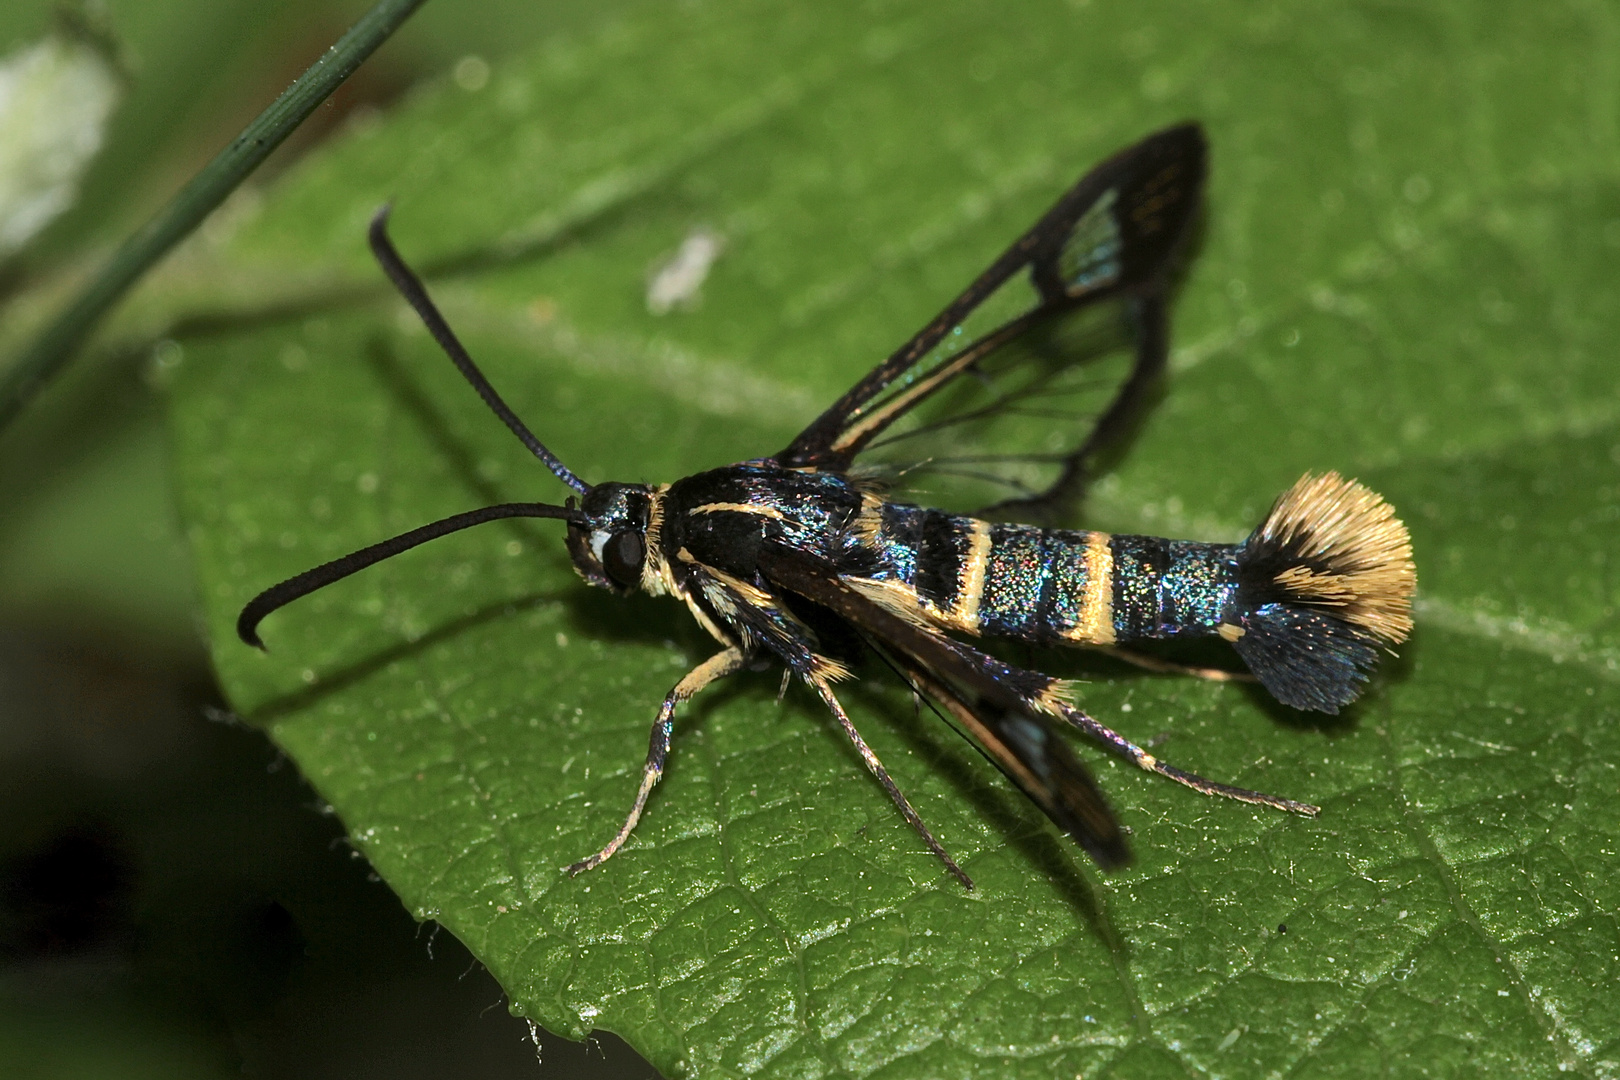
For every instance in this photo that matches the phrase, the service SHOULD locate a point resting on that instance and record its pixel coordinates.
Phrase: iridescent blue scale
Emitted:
(1171, 588)
(1048, 585)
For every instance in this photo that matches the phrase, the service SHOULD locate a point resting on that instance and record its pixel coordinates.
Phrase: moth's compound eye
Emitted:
(622, 556)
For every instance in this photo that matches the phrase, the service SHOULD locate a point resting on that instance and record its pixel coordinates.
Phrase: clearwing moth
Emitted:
(780, 556)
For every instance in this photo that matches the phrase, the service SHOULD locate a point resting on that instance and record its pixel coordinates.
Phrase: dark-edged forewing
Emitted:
(990, 700)
(1027, 751)
(1020, 340)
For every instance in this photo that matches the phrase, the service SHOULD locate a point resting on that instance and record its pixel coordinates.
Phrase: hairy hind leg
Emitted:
(1144, 760)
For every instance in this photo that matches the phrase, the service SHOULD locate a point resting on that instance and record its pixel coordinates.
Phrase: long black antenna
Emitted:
(411, 288)
(247, 623)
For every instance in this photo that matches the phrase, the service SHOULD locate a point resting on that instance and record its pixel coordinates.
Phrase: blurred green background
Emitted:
(166, 907)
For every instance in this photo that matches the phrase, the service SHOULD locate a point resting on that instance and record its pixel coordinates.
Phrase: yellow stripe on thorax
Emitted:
(757, 509)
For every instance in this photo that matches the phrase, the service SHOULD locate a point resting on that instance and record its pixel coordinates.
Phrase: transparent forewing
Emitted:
(1019, 429)
(1090, 256)
(1113, 236)
(1000, 317)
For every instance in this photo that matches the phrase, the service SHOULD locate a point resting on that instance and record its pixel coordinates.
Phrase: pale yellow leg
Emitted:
(1170, 667)
(715, 667)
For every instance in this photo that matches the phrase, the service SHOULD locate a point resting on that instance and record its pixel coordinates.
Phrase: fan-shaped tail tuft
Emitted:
(1326, 579)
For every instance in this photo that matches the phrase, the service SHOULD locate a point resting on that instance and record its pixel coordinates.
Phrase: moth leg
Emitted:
(882, 774)
(718, 666)
(1144, 760)
(1170, 667)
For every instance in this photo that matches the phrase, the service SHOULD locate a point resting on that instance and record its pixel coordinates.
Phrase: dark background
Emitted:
(174, 900)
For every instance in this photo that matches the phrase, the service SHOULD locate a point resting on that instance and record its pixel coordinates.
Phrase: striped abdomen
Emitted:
(1049, 585)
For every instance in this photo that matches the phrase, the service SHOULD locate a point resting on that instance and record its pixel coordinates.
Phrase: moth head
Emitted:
(608, 542)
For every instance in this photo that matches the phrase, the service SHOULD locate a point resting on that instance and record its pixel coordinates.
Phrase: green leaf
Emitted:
(1406, 275)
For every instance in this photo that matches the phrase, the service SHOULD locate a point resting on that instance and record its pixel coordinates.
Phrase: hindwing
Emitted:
(1039, 364)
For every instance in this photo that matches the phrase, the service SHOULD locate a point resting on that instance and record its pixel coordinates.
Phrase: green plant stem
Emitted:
(51, 350)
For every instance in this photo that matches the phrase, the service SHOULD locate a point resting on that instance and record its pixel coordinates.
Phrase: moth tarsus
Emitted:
(779, 556)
